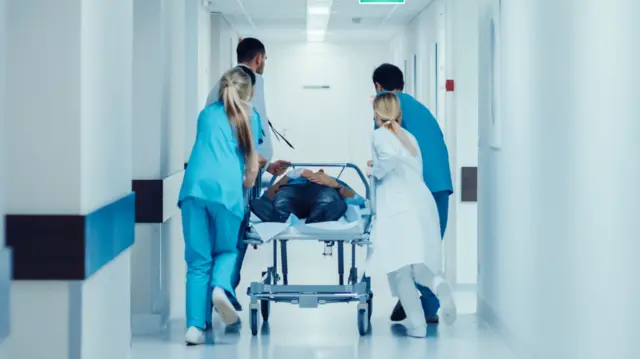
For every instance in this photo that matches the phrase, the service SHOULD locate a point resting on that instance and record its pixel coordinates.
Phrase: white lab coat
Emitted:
(259, 104)
(407, 227)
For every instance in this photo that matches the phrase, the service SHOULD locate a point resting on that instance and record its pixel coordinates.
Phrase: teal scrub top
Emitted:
(216, 165)
(420, 122)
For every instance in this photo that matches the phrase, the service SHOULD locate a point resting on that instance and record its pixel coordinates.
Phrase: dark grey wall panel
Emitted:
(469, 185)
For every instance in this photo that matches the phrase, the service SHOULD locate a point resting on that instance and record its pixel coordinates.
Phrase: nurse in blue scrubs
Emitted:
(420, 122)
(223, 164)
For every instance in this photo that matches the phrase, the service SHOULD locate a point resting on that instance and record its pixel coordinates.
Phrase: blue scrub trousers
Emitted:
(211, 238)
(430, 303)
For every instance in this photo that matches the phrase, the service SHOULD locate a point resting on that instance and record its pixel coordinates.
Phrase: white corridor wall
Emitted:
(3, 66)
(76, 106)
(559, 196)
(5, 280)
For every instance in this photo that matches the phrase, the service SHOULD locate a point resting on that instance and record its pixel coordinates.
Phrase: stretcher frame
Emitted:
(269, 289)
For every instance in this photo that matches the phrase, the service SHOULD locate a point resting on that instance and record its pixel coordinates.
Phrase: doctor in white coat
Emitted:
(406, 234)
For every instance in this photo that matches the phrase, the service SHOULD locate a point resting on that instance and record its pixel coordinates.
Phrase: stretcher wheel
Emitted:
(265, 308)
(253, 321)
(364, 321)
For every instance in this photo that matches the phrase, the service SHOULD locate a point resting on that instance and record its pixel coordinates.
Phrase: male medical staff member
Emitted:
(420, 122)
(252, 54)
(223, 161)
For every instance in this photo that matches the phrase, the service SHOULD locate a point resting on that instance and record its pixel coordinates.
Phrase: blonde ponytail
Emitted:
(235, 92)
(387, 108)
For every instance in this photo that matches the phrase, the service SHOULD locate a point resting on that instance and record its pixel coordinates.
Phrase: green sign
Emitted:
(382, 1)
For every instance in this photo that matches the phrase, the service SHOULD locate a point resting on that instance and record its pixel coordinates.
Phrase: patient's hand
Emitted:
(323, 179)
(271, 192)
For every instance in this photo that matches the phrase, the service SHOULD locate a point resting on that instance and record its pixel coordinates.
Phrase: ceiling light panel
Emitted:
(318, 14)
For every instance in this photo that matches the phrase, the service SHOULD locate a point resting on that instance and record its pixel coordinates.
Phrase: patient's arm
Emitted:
(346, 192)
(326, 180)
(271, 192)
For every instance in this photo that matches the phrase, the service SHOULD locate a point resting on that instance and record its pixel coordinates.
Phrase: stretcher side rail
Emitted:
(311, 296)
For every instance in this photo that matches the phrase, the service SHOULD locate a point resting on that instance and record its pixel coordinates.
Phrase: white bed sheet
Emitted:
(351, 225)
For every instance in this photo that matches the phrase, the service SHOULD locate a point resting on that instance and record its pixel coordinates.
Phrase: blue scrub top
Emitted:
(420, 122)
(216, 165)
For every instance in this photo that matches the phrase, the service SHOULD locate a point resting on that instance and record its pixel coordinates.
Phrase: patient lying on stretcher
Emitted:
(314, 196)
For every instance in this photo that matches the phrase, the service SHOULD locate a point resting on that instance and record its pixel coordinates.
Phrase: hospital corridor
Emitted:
(339, 179)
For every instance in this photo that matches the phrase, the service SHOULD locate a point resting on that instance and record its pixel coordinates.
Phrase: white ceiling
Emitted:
(286, 19)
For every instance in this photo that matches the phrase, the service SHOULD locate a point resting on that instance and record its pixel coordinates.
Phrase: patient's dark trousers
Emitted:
(311, 201)
(316, 203)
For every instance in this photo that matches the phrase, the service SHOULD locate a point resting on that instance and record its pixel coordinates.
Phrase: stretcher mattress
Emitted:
(348, 227)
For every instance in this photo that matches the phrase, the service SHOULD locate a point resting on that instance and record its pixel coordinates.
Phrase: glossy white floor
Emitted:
(329, 331)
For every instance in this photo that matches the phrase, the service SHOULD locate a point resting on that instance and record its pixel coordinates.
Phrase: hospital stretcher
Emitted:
(275, 287)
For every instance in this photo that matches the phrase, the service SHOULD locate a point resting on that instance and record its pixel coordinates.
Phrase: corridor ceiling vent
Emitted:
(318, 14)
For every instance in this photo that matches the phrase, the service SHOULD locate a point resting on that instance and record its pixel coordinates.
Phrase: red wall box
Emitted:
(449, 85)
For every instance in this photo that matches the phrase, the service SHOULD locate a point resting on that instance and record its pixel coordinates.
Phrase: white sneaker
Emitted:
(194, 336)
(224, 307)
(417, 332)
(448, 309)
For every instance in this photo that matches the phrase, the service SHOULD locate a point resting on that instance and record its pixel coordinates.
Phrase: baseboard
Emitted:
(517, 346)
(147, 324)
